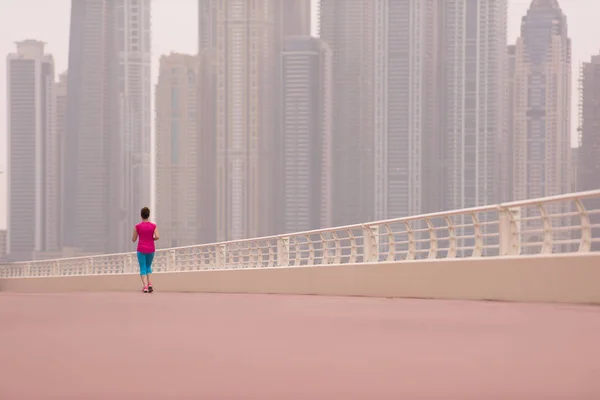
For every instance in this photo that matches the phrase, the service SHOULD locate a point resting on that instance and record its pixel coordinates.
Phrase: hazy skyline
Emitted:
(175, 27)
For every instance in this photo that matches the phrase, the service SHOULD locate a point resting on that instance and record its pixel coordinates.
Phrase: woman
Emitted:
(147, 233)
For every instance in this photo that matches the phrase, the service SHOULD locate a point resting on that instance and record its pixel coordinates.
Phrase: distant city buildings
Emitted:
(407, 144)
(575, 168)
(400, 107)
(292, 18)
(473, 59)
(589, 152)
(3, 245)
(177, 147)
(542, 104)
(541, 134)
(306, 77)
(61, 132)
(348, 28)
(505, 168)
(33, 173)
(134, 52)
(95, 217)
(418, 105)
(242, 42)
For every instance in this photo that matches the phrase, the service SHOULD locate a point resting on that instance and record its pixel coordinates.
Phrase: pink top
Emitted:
(145, 231)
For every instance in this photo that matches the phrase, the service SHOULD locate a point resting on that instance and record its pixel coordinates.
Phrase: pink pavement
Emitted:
(209, 346)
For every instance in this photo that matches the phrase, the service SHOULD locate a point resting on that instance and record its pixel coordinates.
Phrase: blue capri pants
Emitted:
(145, 260)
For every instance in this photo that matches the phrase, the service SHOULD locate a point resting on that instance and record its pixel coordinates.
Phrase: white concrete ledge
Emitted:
(571, 278)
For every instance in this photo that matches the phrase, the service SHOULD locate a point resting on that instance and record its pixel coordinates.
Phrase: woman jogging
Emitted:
(147, 232)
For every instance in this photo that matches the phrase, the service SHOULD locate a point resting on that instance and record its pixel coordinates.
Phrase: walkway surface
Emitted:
(204, 346)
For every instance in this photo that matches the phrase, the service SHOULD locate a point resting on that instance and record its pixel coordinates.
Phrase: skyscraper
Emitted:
(292, 18)
(134, 46)
(306, 134)
(32, 152)
(207, 148)
(588, 154)
(542, 107)
(542, 103)
(94, 206)
(505, 143)
(405, 80)
(348, 28)
(241, 41)
(177, 146)
(3, 244)
(61, 89)
(386, 138)
(473, 60)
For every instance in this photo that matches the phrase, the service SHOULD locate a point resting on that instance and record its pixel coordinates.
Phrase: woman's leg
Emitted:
(143, 269)
(149, 259)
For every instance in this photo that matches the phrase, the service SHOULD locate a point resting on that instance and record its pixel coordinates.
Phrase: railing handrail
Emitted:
(422, 217)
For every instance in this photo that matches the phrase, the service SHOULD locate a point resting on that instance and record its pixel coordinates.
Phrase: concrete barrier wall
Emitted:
(570, 278)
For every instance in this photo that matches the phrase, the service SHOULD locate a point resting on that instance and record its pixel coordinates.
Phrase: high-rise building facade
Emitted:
(542, 103)
(542, 120)
(61, 132)
(473, 61)
(348, 28)
(292, 18)
(406, 136)
(177, 147)
(386, 136)
(306, 134)
(505, 143)
(575, 165)
(241, 41)
(134, 46)
(589, 151)
(207, 149)
(3, 245)
(32, 152)
(95, 217)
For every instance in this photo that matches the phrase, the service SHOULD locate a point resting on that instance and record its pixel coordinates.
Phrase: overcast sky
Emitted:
(174, 28)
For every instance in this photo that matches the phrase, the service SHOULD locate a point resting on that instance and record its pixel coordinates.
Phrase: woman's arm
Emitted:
(156, 234)
(135, 235)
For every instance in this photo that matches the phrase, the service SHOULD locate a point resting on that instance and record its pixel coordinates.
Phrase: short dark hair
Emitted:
(145, 213)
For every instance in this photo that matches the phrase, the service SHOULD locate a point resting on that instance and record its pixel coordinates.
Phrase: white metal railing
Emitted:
(559, 224)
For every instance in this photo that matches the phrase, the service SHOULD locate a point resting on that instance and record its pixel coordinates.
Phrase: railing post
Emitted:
(433, 241)
(283, 251)
(353, 247)
(220, 256)
(324, 249)
(171, 262)
(90, 266)
(585, 242)
(370, 243)
(478, 237)
(508, 231)
(452, 242)
(547, 230)
(311, 251)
